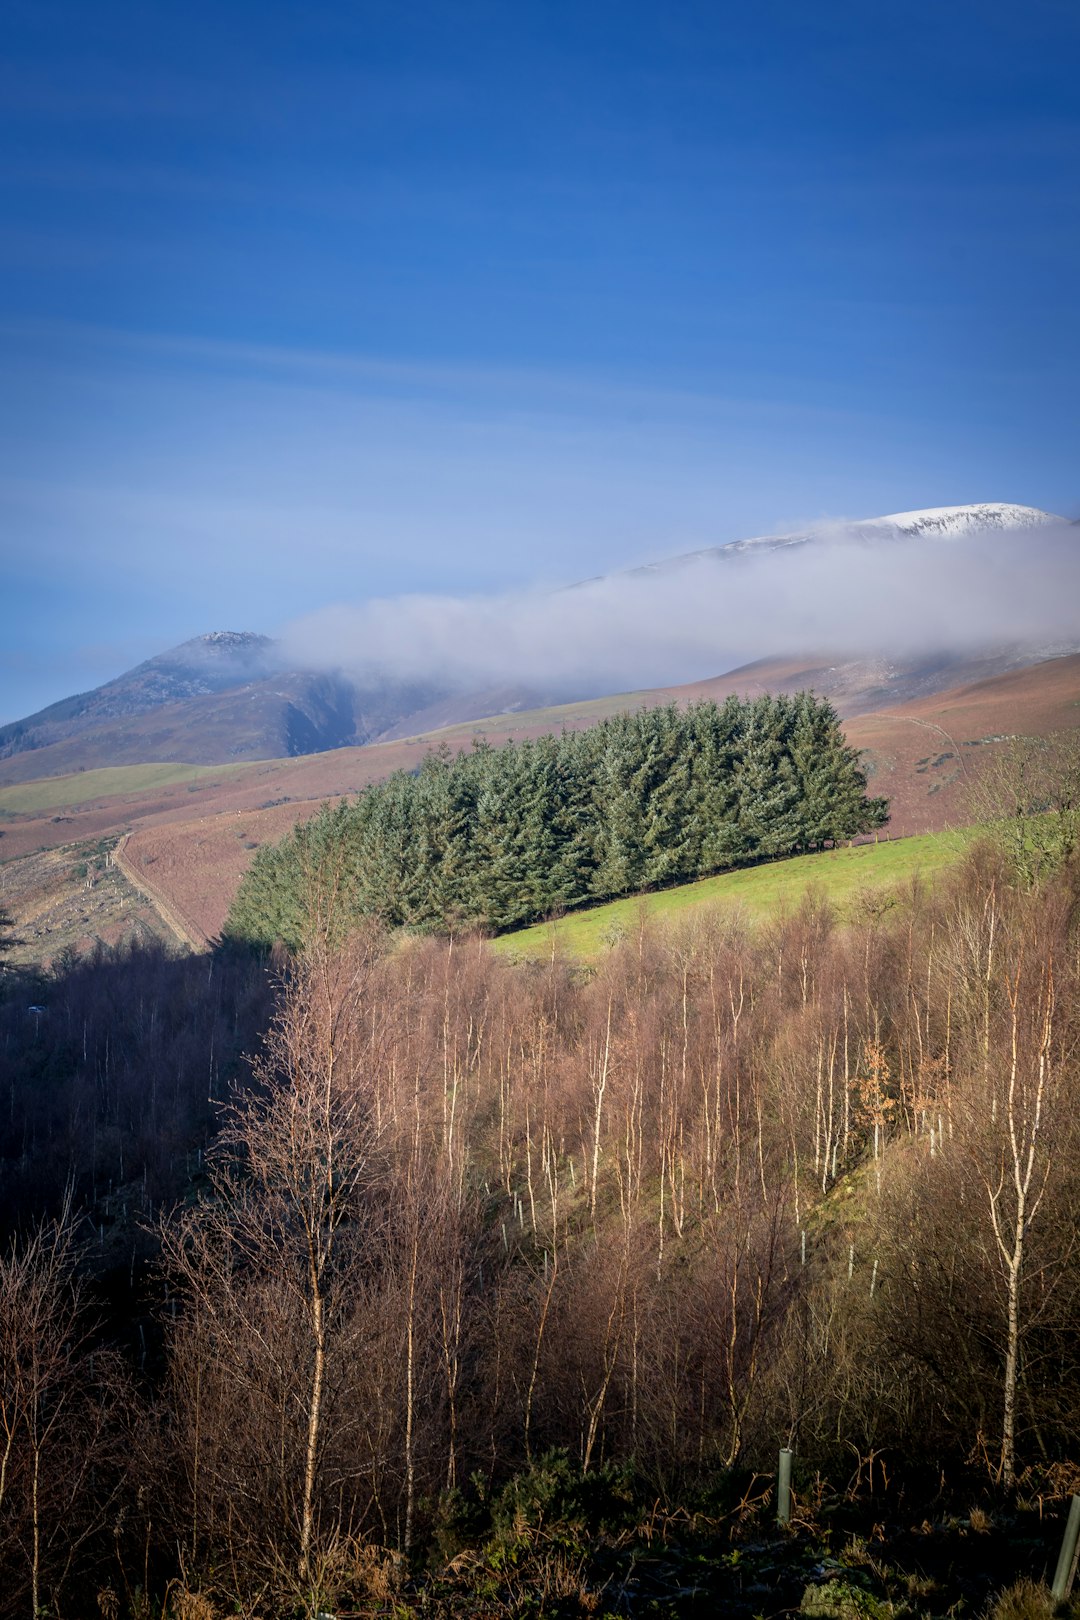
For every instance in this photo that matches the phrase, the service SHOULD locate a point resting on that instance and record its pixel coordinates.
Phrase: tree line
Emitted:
(797, 1183)
(506, 835)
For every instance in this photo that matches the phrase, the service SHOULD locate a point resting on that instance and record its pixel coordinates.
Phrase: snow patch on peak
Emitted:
(218, 647)
(934, 522)
(231, 638)
(928, 523)
(948, 521)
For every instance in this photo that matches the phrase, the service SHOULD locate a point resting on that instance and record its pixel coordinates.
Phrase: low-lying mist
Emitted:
(700, 616)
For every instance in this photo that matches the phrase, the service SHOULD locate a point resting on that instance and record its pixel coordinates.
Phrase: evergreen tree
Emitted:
(667, 838)
(768, 788)
(506, 835)
(832, 783)
(714, 837)
(619, 810)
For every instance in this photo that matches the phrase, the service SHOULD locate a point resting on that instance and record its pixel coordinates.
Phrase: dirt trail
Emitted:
(185, 931)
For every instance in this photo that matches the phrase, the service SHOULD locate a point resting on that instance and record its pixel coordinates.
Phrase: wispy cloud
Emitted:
(276, 474)
(82, 348)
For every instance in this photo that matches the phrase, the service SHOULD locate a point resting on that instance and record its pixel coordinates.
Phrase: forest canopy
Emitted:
(503, 836)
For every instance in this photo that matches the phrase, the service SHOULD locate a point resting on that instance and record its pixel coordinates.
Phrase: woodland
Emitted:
(503, 836)
(386, 1276)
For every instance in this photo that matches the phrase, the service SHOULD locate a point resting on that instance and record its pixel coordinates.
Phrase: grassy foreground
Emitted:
(58, 792)
(845, 876)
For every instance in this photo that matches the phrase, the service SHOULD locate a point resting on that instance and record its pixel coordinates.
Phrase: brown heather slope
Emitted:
(922, 755)
(192, 842)
(296, 714)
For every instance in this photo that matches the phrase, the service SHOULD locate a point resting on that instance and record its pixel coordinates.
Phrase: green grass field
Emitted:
(57, 792)
(844, 876)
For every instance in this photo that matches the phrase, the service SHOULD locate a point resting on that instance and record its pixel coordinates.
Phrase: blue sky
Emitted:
(307, 304)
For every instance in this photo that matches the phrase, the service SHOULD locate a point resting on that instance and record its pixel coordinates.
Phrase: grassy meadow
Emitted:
(845, 876)
(111, 781)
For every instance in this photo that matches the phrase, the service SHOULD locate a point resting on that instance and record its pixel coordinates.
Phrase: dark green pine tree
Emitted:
(501, 812)
(577, 759)
(619, 811)
(714, 837)
(540, 830)
(300, 889)
(520, 834)
(668, 821)
(393, 878)
(832, 781)
(446, 794)
(768, 787)
(263, 907)
(511, 834)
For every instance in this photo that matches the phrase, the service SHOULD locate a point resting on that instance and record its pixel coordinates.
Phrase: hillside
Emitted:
(201, 861)
(72, 897)
(233, 696)
(656, 1214)
(217, 699)
(929, 523)
(212, 663)
(505, 837)
(195, 836)
(856, 880)
(292, 715)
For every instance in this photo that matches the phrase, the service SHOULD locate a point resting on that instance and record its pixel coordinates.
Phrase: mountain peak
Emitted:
(232, 638)
(229, 694)
(927, 523)
(217, 643)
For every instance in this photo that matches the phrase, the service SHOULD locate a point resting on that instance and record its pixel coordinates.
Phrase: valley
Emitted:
(539, 812)
(716, 1108)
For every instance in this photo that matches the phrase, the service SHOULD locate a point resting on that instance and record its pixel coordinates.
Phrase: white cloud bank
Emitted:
(698, 618)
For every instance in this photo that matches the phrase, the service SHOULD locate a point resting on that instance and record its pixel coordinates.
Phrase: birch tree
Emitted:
(1016, 1184)
(269, 1260)
(60, 1436)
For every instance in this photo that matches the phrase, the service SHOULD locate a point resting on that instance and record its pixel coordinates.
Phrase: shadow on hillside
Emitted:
(115, 1068)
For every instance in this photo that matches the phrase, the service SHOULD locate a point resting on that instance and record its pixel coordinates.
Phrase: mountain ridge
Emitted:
(930, 522)
(231, 696)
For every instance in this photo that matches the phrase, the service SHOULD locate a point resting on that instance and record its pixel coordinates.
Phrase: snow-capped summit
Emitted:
(930, 523)
(951, 522)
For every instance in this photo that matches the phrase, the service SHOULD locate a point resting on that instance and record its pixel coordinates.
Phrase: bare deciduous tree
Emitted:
(61, 1406)
(1028, 794)
(269, 1258)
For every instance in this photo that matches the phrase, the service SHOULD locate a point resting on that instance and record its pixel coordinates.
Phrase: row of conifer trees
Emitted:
(506, 835)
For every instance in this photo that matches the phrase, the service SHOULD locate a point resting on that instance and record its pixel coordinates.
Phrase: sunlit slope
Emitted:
(849, 878)
(195, 836)
(110, 781)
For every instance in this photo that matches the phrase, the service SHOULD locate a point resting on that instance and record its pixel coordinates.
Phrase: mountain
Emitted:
(216, 699)
(230, 697)
(931, 523)
(192, 836)
(210, 663)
